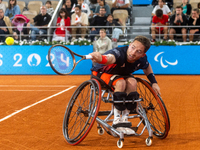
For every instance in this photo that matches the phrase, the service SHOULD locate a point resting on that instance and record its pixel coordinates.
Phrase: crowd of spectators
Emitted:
(73, 20)
(183, 21)
(76, 15)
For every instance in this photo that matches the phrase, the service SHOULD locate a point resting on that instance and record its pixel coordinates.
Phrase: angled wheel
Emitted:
(155, 109)
(81, 111)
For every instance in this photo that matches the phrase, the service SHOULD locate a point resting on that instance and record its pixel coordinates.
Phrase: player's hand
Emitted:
(96, 57)
(156, 88)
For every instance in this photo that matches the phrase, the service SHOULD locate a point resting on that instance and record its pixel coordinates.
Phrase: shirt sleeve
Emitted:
(144, 62)
(84, 18)
(127, 1)
(16, 11)
(73, 19)
(119, 55)
(107, 9)
(166, 19)
(167, 9)
(154, 10)
(154, 20)
(109, 44)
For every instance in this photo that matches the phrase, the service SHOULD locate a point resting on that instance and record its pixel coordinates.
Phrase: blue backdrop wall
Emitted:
(33, 60)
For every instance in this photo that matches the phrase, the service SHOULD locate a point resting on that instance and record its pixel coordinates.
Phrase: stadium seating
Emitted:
(123, 15)
(21, 4)
(6, 3)
(30, 14)
(35, 5)
(54, 4)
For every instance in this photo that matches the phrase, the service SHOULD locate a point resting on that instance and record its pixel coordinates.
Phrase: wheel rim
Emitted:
(81, 112)
(155, 109)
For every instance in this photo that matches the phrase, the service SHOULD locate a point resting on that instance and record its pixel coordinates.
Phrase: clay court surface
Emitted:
(33, 107)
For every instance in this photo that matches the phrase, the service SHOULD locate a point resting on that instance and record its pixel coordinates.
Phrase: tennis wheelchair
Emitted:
(84, 108)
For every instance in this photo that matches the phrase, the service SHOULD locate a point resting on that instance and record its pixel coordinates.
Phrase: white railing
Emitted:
(127, 35)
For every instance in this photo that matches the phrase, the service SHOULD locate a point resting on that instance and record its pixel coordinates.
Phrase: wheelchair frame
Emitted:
(79, 118)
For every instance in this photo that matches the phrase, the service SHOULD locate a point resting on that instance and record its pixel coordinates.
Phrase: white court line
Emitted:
(27, 90)
(27, 107)
(35, 85)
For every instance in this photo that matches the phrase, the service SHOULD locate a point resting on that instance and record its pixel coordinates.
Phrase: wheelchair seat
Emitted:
(103, 84)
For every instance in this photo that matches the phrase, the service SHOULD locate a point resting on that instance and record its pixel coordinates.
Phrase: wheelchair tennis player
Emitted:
(115, 68)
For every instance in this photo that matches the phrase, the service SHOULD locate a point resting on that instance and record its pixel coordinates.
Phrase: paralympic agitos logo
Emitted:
(164, 63)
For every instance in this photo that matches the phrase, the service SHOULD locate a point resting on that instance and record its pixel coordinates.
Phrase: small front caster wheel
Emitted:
(148, 141)
(100, 131)
(120, 143)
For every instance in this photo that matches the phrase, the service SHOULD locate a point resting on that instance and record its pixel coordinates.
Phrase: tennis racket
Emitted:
(62, 59)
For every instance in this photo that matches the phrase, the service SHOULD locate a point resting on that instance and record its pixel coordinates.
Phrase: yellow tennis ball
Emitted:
(9, 41)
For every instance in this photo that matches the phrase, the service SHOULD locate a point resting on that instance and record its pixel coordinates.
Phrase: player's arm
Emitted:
(150, 75)
(103, 59)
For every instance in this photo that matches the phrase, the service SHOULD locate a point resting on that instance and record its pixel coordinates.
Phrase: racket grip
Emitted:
(88, 57)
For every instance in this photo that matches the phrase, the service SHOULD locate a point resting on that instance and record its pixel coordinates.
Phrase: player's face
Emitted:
(135, 51)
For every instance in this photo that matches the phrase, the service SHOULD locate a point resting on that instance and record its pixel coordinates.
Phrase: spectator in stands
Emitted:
(84, 7)
(198, 6)
(194, 20)
(102, 3)
(73, 2)
(161, 5)
(99, 20)
(93, 5)
(50, 10)
(4, 21)
(20, 22)
(178, 20)
(103, 43)
(121, 4)
(41, 21)
(115, 31)
(159, 20)
(2, 6)
(13, 9)
(62, 32)
(68, 7)
(80, 20)
(169, 3)
(186, 7)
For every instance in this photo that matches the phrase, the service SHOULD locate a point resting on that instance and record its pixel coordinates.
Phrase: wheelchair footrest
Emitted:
(103, 113)
(122, 124)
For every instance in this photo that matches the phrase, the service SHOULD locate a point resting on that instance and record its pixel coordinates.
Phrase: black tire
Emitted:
(155, 109)
(81, 111)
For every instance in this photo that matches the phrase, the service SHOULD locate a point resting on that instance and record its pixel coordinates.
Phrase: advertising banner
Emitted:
(174, 59)
(33, 60)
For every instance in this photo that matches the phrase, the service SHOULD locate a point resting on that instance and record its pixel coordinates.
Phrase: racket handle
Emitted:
(88, 57)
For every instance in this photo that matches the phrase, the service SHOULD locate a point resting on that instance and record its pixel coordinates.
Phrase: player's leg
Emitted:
(165, 30)
(153, 32)
(192, 32)
(131, 90)
(172, 31)
(184, 34)
(119, 94)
